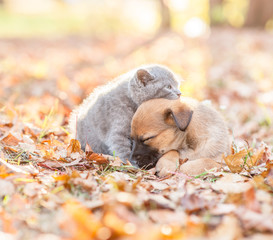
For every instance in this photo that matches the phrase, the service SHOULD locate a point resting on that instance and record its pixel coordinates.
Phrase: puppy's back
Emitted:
(207, 130)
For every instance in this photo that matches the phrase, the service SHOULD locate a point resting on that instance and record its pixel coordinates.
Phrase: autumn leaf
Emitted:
(74, 146)
(193, 203)
(3, 172)
(66, 177)
(87, 225)
(88, 148)
(268, 174)
(10, 140)
(95, 157)
(253, 160)
(236, 162)
(52, 189)
(63, 177)
(10, 149)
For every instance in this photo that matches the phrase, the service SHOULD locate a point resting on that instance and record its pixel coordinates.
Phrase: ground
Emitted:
(50, 189)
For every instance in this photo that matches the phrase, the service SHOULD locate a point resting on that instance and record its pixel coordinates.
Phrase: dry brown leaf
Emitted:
(193, 203)
(30, 132)
(9, 125)
(166, 216)
(235, 161)
(10, 149)
(232, 183)
(88, 148)
(253, 160)
(228, 229)
(7, 188)
(74, 146)
(10, 140)
(86, 225)
(255, 220)
(96, 158)
(32, 189)
(269, 169)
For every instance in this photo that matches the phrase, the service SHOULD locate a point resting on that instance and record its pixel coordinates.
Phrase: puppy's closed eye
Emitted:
(147, 139)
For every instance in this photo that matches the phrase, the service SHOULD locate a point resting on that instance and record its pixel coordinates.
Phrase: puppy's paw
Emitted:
(166, 166)
(198, 166)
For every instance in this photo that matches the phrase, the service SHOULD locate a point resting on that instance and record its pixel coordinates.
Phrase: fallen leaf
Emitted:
(193, 203)
(255, 221)
(7, 188)
(166, 216)
(74, 146)
(87, 225)
(10, 140)
(228, 229)
(237, 161)
(252, 161)
(32, 189)
(96, 158)
(3, 172)
(232, 183)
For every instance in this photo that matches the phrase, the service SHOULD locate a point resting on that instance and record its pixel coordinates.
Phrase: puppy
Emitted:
(164, 131)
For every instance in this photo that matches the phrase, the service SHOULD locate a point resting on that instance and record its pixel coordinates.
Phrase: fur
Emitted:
(103, 120)
(183, 128)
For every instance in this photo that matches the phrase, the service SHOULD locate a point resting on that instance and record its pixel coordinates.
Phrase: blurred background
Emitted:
(54, 52)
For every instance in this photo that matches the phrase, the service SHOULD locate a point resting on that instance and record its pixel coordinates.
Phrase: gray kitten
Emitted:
(103, 120)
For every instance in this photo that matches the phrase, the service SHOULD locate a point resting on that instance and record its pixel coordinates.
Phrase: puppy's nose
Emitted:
(179, 94)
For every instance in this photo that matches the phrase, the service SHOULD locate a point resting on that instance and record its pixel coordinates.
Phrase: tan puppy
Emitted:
(164, 131)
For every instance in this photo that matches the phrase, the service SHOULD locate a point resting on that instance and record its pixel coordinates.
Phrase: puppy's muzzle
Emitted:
(143, 156)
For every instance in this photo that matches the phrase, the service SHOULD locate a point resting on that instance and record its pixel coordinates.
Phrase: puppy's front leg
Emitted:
(198, 166)
(167, 164)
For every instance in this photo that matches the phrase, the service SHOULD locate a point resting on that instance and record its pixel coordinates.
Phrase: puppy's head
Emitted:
(158, 126)
(143, 155)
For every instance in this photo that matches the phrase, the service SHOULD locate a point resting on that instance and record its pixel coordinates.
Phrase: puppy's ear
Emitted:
(144, 76)
(178, 117)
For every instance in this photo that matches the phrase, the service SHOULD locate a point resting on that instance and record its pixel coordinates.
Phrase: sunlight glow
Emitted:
(195, 27)
(144, 16)
(178, 5)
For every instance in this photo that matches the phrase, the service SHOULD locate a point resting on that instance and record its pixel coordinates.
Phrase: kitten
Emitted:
(103, 120)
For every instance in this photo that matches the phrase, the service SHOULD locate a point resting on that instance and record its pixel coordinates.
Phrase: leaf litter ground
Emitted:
(51, 189)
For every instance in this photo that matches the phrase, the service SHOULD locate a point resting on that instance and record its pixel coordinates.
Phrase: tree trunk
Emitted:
(259, 12)
(165, 16)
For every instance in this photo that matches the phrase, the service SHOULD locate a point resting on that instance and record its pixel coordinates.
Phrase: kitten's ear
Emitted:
(144, 76)
(179, 117)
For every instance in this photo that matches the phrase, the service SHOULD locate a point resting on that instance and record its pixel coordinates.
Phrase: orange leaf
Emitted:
(235, 161)
(3, 172)
(94, 157)
(86, 223)
(10, 140)
(9, 149)
(254, 158)
(30, 132)
(88, 148)
(74, 146)
(97, 158)
(63, 177)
